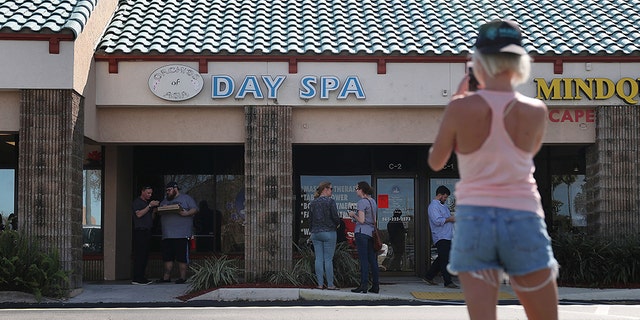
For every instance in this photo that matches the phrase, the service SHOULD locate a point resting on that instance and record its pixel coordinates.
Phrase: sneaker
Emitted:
(180, 281)
(142, 282)
(430, 282)
(163, 280)
(452, 286)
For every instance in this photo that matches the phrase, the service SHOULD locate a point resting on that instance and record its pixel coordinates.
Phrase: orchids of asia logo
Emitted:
(175, 82)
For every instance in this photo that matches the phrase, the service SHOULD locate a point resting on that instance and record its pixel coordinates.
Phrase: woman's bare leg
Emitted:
(480, 295)
(538, 303)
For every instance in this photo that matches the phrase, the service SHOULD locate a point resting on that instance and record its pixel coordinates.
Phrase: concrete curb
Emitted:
(250, 294)
(342, 295)
(288, 294)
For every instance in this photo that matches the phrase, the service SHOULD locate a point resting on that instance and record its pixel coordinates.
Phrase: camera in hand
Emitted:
(473, 82)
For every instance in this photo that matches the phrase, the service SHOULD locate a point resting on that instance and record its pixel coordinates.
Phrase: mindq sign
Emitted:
(590, 88)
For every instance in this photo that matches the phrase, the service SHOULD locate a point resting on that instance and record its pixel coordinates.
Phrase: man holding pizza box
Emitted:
(176, 216)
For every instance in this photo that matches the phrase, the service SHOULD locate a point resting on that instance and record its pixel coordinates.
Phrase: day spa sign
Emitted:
(179, 83)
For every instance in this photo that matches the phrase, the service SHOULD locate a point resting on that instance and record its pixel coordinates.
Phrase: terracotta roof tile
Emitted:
(45, 15)
(356, 27)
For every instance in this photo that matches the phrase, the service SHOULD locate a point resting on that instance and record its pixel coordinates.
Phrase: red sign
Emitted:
(383, 201)
(573, 115)
(349, 231)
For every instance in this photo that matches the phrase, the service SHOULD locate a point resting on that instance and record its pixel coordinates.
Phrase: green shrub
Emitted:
(346, 269)
(25, 267)
(213, 272)
(302, 274)
(596, 262)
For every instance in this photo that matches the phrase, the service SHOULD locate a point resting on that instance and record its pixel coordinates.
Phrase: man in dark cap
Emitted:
(397, 233)
(143, 214)
(177, 229)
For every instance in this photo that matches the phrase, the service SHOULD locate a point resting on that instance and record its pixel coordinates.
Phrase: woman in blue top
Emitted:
(365, 218)
(324, 220)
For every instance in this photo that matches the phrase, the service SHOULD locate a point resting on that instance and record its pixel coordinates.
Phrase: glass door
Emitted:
(396, 221)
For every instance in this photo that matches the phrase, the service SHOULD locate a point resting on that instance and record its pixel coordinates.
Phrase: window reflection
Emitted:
(92, 211)
(8, 220)
(568, 201)
(231, 205)
(219, 224)
(8, 166)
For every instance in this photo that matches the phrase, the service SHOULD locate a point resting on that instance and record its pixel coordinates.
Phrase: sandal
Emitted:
(332, 288)
(319, 287)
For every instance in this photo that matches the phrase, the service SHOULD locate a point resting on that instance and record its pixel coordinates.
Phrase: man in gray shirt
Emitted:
(177, 229)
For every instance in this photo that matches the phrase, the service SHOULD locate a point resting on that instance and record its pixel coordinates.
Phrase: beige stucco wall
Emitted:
(171, 125)
(9, 111)
(84, 65)
(405, 105)
(29, 65)
(397, 125)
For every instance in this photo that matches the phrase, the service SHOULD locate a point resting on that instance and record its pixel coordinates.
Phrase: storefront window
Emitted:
(230, 207)
(213, 177)
(219, 224)
(568, 201)
(8, 165)
(344, 193)
(396, 221)
(449, 183)
(92, 211)
(92, 200)
(8, 219)
(92, 204)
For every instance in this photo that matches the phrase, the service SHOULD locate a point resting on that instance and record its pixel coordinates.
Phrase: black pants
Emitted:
(440, 264)
(141, 243)
(398, 253)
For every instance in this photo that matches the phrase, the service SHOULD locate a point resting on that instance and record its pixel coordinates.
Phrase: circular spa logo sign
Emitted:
(175, 82)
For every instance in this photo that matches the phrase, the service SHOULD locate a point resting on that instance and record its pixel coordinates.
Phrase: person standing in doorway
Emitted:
(323, 220)
(441, 222)
(500, 226)
(177, 229)
(397, 236)
(365, 219)
(143, 214)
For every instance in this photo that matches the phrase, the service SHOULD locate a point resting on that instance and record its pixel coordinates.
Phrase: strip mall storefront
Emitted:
(238, 126)
(249, 138)
(242, 126)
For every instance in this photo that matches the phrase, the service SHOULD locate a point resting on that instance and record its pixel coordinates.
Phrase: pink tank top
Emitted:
(499, 174)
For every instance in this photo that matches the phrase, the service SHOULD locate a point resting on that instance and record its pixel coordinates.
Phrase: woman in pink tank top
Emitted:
(495, 133)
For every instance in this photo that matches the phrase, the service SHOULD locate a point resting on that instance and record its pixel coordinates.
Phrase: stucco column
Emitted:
(50, 173)
(269, 191)
(116, 224)
(613, 173)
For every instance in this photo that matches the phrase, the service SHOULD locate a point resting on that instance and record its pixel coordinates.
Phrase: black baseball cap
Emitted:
(172, 184)
(500, 36)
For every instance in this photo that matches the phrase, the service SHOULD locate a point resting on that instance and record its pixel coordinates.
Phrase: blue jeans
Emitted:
(324, 246)
(368, 260)
(488, 238)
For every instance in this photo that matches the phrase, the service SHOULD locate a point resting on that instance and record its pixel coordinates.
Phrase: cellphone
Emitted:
(473, 82)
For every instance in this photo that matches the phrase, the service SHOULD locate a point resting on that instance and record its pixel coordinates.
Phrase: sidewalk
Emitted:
(409, 289)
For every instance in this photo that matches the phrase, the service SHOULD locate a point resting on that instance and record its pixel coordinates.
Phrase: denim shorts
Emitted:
(515, 241)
